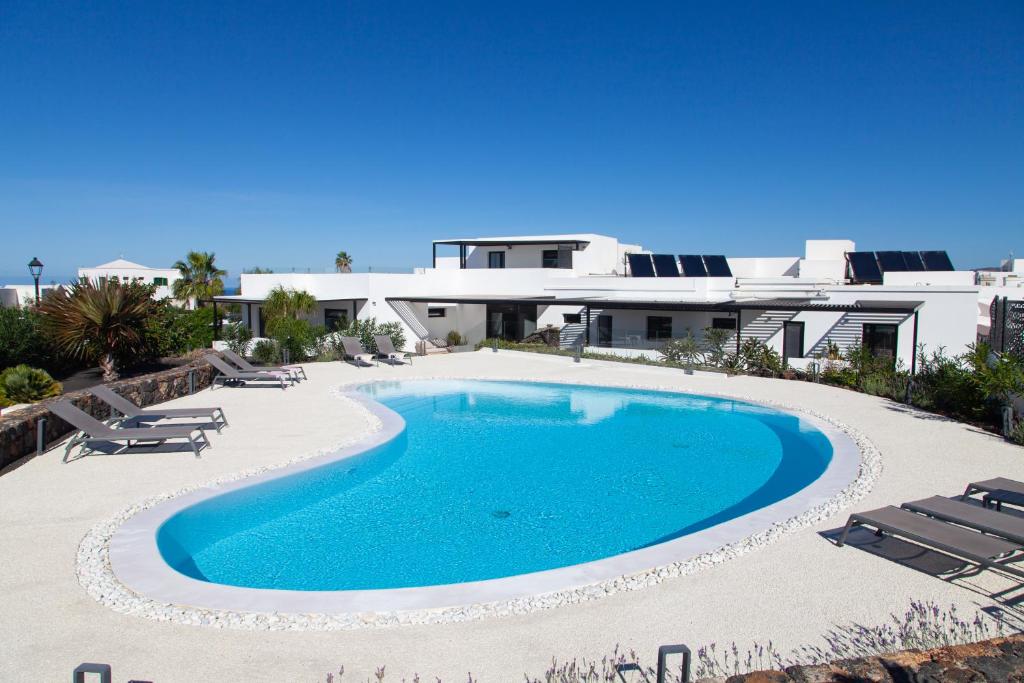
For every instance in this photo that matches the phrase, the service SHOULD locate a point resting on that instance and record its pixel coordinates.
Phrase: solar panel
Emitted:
(891, 261)
(693, 266)
(717, 266)
(936, 260)
(665, 265)
(913, 259)
(863, 267)
(640, 265)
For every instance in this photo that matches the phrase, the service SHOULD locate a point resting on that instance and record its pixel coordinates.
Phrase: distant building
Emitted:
(126, 271)
(16, 296)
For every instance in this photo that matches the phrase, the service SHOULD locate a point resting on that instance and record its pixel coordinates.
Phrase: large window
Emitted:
(335, 319)
(880, 340)
(723, 323)
(495, 259)
(571, 319)
(160, 281)
(659, 327)
(435, 312)
(549, 258)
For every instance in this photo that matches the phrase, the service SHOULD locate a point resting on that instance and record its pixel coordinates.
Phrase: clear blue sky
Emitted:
(277, 133)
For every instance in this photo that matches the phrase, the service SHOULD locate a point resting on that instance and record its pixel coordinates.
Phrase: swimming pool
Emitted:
(494, 479)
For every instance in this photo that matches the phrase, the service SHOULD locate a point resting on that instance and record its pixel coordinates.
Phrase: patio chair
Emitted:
(135, 415)
(956, 541)
(354, 350)
(91, 430)
(1010, 527)
(387, 351)
(246, 366)
(1000, 490)
(228, 375)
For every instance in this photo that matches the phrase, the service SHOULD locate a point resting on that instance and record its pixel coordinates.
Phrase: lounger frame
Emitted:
(856, 520)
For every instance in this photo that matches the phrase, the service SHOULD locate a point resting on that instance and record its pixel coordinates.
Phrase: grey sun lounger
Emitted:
(226, 373)
(246, 366)
(91, 430)
(985, 520)
(386, 350)
(1000, 490)
(135, 415)
(354, 350)
(986, 551)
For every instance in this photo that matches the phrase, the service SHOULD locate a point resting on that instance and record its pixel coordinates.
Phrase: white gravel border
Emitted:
(97, 577)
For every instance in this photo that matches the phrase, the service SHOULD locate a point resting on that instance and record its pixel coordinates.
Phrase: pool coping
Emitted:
(152, 588)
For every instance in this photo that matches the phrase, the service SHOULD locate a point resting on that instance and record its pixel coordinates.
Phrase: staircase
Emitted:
(412, 321)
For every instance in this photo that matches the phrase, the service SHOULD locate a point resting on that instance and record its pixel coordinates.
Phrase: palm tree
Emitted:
(99, 322)
(200, 278)
(287, 303)
(343, 262)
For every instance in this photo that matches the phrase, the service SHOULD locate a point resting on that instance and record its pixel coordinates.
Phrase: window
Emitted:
(571, 318)
(723, 323)
(435, 312)
(659, 327)
(160, 281)
(880, 340)
(495, 259)
(335, 318)
(549, 258)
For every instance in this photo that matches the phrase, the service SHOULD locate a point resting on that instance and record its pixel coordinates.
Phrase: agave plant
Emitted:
(99, 322)
(24, 384)
(200, 278)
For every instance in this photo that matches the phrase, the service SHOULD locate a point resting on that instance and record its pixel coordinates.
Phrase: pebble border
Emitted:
(97, 578)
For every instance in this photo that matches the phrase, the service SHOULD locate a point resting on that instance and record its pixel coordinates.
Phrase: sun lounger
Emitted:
(986, 551)
(987, 521)
(246, 366)
(386, 350)
(135, 415)
(91, 430)
(354, 350)
(226, 374)
(1000, 490)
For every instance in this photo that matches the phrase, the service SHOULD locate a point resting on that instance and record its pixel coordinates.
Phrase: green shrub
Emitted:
(237, 337)
(758, 358)
(265, 352)
(367, 328)
(24, 341)
(455, 339)
(715, 342)
(173, 331)
(681, 351)
(24, 384)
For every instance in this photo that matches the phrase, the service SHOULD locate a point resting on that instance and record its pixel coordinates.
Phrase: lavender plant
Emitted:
(924, 625)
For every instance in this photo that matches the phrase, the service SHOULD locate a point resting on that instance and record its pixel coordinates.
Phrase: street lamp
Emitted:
(35, 266)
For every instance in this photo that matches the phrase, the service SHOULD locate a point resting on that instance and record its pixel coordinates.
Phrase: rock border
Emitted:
(98, 579)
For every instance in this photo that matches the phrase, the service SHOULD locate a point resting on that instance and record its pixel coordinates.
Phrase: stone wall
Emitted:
(1000, 659)
(18, 430)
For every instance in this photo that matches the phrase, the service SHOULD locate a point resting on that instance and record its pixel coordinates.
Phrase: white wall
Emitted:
(144, 275)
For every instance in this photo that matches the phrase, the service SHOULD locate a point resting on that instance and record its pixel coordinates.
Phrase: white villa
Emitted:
(127, 271)
(604, 294)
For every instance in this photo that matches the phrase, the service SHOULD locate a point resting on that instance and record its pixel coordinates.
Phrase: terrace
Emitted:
(797, 571)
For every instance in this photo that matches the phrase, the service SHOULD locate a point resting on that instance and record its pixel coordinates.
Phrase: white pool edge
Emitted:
(119, 563)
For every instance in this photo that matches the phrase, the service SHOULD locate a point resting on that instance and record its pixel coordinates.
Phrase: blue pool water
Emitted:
(493, 479)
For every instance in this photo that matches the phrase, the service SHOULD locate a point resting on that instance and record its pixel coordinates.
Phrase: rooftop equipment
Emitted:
(693, 266)
(665, 265)
(640, 265)
(717, 266)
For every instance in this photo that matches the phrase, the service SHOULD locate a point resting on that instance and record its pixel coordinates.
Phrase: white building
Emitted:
(597, 291)
(16, 296)
(126, 271)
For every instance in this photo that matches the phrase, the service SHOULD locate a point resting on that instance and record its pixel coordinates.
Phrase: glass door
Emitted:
(792, 340)
(604, 330)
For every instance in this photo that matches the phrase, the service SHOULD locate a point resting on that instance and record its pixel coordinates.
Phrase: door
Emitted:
(604, 330)
(792, 340)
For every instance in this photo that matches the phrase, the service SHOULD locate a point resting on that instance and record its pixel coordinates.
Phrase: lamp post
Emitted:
(35, 266)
